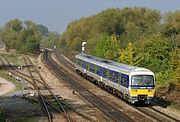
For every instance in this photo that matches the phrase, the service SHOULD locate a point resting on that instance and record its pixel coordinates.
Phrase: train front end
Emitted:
(142, 87)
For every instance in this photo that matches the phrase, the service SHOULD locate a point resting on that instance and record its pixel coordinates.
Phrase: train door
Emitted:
(84, 66)
(119, 80)
(105, 75)
(124, 84)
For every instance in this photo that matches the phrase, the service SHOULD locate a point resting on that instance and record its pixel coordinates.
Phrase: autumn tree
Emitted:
(128, 56)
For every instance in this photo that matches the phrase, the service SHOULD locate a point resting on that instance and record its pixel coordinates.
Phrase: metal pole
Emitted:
(83, 46)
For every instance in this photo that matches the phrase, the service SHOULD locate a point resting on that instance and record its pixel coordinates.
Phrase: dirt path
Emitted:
(5, 86)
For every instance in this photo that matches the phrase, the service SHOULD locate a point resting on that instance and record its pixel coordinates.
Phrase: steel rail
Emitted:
(52, 94)
(68, 106)
(43, 103)
(110, 111)
(26, 77)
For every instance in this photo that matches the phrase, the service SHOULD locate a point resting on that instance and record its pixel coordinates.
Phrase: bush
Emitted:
(2, 115)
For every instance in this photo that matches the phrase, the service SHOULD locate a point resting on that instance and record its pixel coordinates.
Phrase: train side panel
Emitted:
(119, 85)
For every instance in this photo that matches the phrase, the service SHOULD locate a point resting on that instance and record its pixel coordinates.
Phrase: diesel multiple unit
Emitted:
(134, 84)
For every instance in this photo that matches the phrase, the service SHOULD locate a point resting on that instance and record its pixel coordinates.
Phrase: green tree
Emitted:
(42, 29)
(110, 22)
(171, 29)
(50, 40)
(10, 33)
(107, 47)
(128, 56)
(128, 24)
(156, 52)
(22, 36)
(14, 25)
(175, 68)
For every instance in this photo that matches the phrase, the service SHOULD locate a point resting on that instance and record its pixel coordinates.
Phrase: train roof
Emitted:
(110, 63)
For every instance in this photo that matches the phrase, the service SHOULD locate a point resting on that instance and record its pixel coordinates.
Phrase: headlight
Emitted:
(134, 90)
(150, 90)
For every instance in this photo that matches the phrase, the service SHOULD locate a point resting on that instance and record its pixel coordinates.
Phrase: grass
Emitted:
(15, 59)
(175, 106)
(12, 57)
(5, 76)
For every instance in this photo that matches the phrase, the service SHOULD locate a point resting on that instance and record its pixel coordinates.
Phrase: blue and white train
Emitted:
(134, 84)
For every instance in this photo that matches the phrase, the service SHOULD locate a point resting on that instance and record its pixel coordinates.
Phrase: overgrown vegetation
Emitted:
(17, 84)
(24, 37)
(135, 36)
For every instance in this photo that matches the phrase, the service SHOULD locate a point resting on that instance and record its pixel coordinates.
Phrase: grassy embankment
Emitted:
(15, 59)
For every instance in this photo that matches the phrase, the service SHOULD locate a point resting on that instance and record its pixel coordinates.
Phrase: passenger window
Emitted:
(79, 62)
(119, 78)
(124, 80)
(105, 73)
(85, 65)
(98, 70)
(92, 68)
(113, 76)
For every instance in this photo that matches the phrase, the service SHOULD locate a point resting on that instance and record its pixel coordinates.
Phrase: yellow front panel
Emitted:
(135, 92)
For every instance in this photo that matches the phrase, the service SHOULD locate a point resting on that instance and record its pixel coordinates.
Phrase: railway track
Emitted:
(15, 72)
(61, 103)
(40, 81)
(78, 112)
(45, 103)
(156, 114)
(107, 109)
(148, 110)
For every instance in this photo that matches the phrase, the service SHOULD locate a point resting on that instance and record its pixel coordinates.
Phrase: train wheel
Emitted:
(110, 90)
(85, 75)
(120, 94)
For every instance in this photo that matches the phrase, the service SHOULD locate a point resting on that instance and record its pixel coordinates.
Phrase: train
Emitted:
(133, 84)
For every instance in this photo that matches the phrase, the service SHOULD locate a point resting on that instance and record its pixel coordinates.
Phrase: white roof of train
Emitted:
(110, 63)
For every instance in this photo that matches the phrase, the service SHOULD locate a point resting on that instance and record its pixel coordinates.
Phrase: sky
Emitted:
(56, 14)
